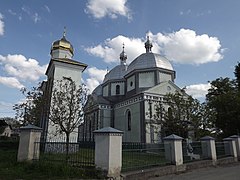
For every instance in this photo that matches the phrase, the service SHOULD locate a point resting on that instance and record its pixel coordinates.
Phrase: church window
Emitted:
(131, 83)
(129, 120)
(117, 89)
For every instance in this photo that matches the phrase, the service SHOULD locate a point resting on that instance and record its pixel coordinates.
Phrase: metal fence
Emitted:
(80, 154)
(9, 145)
(141, 155)
(222, 149)
(192, 151)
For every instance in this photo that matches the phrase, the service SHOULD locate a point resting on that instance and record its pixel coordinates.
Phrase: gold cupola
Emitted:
(62, 48)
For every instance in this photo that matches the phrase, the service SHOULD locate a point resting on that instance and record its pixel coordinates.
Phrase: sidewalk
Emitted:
(227, 172)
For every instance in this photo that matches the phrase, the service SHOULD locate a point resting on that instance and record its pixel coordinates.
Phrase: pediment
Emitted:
(164, 88)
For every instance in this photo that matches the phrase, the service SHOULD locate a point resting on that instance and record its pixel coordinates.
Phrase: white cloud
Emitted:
(96, 77)
(187, 12)
(183, 46)
(26, 10)
(11, 82)
(47, 8)
(186, 47)
(36, 17)
(111, 49)
(102, 8)
(22, 68)
(1, 25)
(198, 90)
(12, 12)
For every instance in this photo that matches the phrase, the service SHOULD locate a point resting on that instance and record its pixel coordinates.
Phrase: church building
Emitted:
(126, 95)
(62, 65)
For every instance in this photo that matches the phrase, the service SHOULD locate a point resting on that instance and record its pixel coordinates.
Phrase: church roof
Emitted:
(67, 61)
(149, 60)
(117, 72)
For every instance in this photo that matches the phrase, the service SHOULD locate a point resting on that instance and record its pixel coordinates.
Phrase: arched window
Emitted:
(117, 89)
(129, 119)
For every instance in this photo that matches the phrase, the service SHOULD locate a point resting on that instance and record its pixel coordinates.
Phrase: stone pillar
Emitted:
(237, 141)
(209, 148)
(173, 149)
(230, 147)
(27, 150)
(108, 151)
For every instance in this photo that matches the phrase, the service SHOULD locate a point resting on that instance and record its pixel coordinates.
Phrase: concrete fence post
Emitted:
(237, 142)
(230, 147)
(27, 150)
(208, 148)
(108, 151)
(173, 149)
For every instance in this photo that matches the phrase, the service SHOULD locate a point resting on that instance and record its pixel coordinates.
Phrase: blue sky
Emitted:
(199, 37)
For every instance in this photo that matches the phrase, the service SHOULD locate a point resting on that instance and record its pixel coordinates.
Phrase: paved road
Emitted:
(230, 172)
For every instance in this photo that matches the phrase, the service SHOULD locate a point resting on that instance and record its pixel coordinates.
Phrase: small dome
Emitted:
(97, 90)
(117, 72)
(62, 44)
(149, 60)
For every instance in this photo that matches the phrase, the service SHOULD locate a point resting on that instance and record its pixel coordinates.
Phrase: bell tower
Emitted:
(61, 66)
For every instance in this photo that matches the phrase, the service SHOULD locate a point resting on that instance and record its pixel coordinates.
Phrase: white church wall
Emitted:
(106, 122)
(59, 53)
(113, 88)
(146, 79)
(105, 90)
(131, 83)
(164, 77)
(58, 71)
(121, 122)
(68, 71)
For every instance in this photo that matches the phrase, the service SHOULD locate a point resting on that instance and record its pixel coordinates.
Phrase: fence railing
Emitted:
(222, 149)
(79, 154)
(9, 145)
(141, 155)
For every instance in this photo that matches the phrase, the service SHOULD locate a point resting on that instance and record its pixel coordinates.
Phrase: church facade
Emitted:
(126, 96)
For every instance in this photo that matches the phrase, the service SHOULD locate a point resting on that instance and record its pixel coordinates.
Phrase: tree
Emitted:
(67, 102)
(224, 101)
(29, 111)
(179, 114)
(237, 75)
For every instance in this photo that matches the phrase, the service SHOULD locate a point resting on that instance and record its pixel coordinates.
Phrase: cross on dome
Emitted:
(123, 55)
(148, 45)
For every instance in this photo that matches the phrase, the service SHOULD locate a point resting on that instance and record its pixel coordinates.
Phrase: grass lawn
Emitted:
(140, 160)
(11, 169)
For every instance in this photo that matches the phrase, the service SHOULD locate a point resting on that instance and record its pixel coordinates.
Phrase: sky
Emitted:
(199, 37)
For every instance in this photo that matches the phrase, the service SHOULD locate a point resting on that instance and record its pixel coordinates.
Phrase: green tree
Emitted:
(67, 102)
(237, 75)
(29, 111)
(223, 99)
(179, 114)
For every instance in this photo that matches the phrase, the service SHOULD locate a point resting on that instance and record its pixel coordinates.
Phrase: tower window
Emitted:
(129, 120)
(117, 89)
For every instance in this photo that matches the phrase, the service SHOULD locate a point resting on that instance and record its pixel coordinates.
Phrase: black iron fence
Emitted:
(79, 154)
(142, 155)
(222, 149)
(9, 145)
